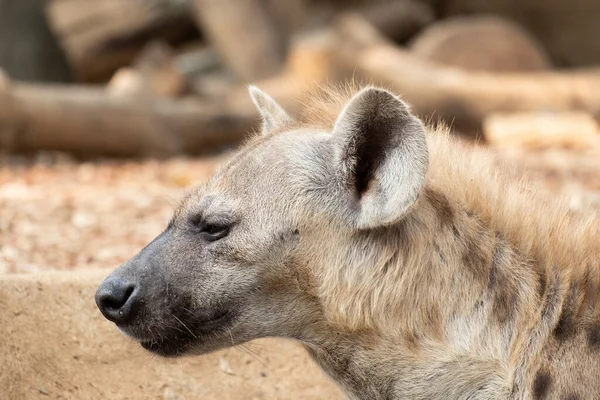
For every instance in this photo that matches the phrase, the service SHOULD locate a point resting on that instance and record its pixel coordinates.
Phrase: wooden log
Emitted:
(154, 73)
(99, 37)
(120, 122)
(537, 130)
(88, 121)
(244, 35)
(460, 97)
(399, 20)
(29, 50)
(288, 16)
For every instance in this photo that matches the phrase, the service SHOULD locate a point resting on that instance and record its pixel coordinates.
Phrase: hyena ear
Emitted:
(381, 157)
(272, 114)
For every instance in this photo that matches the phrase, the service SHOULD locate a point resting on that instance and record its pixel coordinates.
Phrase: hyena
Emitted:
(407, 265)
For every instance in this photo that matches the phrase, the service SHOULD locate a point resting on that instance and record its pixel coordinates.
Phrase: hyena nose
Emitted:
(115, 298)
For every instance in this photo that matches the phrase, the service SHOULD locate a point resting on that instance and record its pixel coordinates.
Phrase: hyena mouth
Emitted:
(182, 335)
(164, 348)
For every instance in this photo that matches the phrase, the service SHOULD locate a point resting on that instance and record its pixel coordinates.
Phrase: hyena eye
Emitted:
(210, 231)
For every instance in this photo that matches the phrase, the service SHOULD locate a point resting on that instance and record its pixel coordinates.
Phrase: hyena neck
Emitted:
(441, 267)
(452, 298)
(355, 366)
(372, 368)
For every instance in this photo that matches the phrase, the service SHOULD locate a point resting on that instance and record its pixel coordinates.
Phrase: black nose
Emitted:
(116, 299)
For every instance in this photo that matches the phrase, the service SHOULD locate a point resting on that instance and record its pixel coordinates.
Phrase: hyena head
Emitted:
(243, 255)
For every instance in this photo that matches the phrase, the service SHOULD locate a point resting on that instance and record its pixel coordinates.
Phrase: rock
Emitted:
(564, 28)
(224, 365)
(481, 43)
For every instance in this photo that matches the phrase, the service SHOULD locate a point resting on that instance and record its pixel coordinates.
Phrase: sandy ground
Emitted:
(56, 345)
(58, 214)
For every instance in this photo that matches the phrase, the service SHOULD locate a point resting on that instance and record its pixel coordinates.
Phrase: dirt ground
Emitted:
(56, 213)
(59, 214)
(56, 345)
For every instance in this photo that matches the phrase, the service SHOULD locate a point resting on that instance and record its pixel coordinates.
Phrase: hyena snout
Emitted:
(124, 293)
(162, 299)
(117, 298)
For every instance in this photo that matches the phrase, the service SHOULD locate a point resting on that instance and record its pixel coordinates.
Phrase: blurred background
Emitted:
(110, 109)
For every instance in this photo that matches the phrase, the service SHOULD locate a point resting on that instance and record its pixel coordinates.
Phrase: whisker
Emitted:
(243, 349)
(251, 354)
(176, 328)
(185, 326)
(257, 347)
(231, 336)
(187, 310)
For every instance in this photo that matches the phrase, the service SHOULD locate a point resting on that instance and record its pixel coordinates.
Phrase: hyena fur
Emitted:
(407, 264)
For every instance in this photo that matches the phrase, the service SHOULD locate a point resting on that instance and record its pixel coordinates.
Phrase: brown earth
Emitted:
(58, 214)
